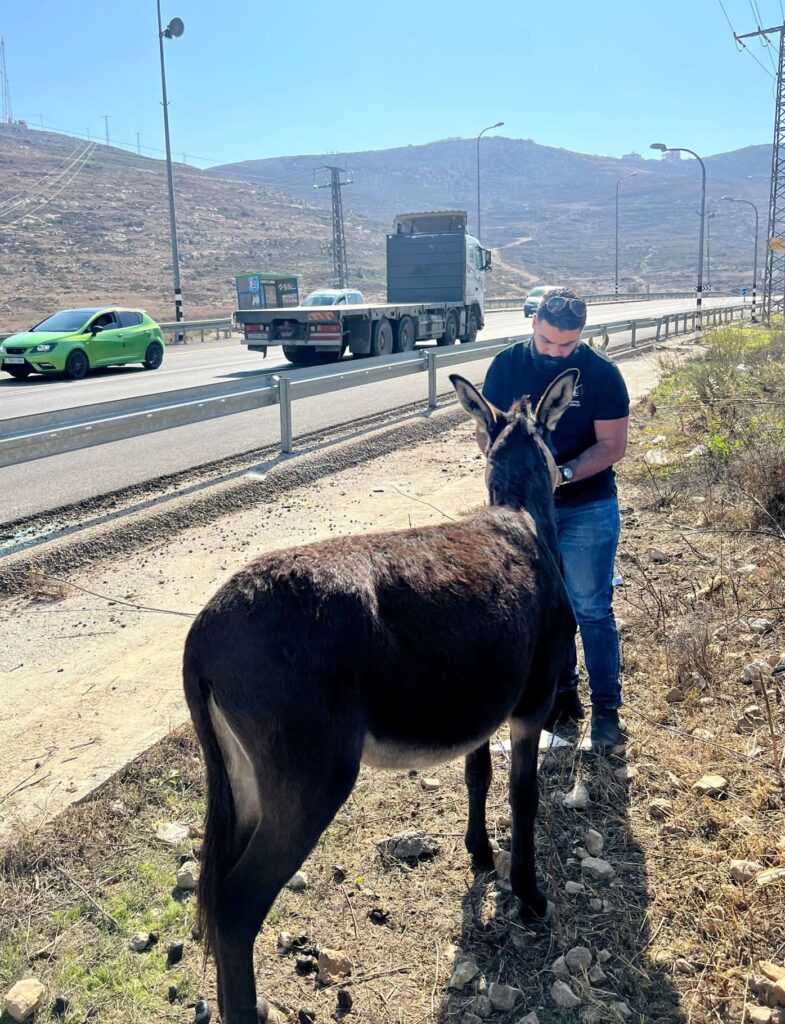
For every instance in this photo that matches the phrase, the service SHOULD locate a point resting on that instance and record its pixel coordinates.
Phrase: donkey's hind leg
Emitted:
(477, 772)
(295, 811)
(524, 799)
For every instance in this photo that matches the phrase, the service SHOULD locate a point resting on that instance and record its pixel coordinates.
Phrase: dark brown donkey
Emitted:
(401, 650)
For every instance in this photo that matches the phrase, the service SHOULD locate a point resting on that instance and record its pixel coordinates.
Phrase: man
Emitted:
(588, 440)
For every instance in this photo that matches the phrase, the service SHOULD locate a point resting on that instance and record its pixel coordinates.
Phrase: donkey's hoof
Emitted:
(482, 859)
(537, 908)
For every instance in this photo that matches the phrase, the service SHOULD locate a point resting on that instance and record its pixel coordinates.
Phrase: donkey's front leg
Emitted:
(477, 773)
(524, 798)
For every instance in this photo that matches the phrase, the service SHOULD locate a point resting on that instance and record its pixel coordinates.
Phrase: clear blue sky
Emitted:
(259, 78)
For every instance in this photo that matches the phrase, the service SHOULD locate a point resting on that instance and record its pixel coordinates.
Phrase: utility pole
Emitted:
(8, 117)
(106, 123)
(139, 143)
(775, 241)
(340, 269)
(709, 217)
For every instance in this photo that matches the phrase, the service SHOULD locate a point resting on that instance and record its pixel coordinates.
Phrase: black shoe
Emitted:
(566, 708)
(605, 730)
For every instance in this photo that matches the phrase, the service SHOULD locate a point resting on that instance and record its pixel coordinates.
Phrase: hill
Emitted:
(551, 212)
(83, 223)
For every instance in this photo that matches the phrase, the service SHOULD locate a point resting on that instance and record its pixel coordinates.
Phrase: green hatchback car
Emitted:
(74, 341)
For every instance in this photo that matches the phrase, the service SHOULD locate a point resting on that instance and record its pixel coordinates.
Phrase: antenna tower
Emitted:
(7, 115)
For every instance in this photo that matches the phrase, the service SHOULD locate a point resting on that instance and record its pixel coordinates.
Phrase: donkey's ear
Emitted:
(556, 399)
(486, 415)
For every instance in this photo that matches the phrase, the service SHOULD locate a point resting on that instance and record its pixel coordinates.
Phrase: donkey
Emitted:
(400, 650)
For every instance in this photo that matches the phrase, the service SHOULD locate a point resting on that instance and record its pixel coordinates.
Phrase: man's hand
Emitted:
(609, 448)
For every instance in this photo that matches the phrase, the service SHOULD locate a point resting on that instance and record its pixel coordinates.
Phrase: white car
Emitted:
(334, 297)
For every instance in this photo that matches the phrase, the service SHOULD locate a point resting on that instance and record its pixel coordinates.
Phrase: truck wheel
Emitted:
(381, 338)
(404, 335)
(450, 330)
(471, 329)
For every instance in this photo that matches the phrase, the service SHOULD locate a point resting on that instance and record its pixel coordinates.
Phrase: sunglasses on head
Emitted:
(556, 303)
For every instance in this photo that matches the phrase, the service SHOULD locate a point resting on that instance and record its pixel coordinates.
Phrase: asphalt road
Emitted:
(46, 484)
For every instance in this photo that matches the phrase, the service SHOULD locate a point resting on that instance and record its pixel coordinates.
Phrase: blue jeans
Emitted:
(588, 536)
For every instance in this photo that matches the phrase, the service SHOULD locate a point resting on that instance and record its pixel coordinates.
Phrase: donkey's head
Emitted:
(521, 469)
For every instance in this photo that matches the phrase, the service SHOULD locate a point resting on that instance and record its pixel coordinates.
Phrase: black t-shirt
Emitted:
(601, 394)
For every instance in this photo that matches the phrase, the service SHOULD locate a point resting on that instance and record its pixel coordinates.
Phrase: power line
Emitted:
(75, 173)
(44, 185)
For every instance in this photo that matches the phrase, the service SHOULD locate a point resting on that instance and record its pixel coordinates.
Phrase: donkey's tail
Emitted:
(219, 830)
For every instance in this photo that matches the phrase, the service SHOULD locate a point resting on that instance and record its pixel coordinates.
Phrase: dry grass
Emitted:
(683, 937)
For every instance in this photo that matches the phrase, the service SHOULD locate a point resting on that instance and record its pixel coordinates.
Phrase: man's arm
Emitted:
(609, 448)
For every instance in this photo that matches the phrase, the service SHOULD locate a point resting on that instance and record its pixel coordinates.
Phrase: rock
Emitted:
(655, 457)
(408, 846)
(298, 882)
(754, 674)
(345, 999)
(141, 941)
(579, 798)
(463, 973)
(625, 773)
(760, 626)
(430, 785)
(202, 1012)
(285, 942)
(503, 997)
(675, 695)
(481, 1005)
(304, 963)
(578, 959)
(604, 956)
(777, 992)
(502, 862)
(172, 994)
(660, 808)
(594, 842)
(657, 556)
(188, 875)
(774, 972)
(560, 968)
(759, 1015)
(703, 734)
(768, 876)
(470, 1018)
(744, 870)
(621, 1009)
(334, 964)
(712, 785)
(752, 718)
(595, 904)
(530, 1018)
(174, 953)
(597, 975)
(60, 1007)
(118, 810)
(580, 853)
(563, 996)
(305, 1015)
(597, 869)
(339, 873)
(574, 888)
(24, 999)
(172, 833)
(196, 933)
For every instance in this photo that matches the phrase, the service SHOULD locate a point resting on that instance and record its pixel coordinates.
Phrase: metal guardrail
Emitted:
(493, 304)
(40, 435)
(185, 327)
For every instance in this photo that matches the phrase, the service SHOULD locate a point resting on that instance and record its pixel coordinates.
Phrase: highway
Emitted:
(45, 484)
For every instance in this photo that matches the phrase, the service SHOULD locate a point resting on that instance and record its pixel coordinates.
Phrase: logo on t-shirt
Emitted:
(576, 396)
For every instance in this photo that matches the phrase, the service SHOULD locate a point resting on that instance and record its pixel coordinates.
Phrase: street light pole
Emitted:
(489, 128)
(733, 199)
(616, 276)
(683, 149)
(173, 30)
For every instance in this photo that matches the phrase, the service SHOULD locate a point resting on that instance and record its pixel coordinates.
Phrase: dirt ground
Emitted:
(90, 668)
